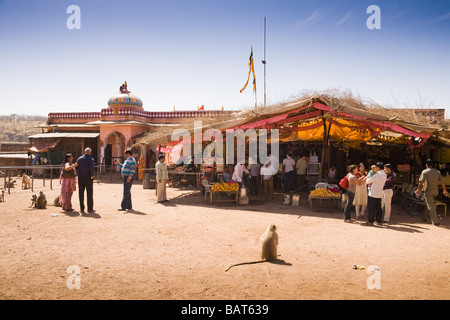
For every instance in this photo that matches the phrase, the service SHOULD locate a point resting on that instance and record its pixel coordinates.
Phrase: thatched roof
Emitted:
(338, 104)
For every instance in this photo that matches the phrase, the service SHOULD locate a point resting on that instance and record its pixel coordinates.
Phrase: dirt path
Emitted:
(180, 250)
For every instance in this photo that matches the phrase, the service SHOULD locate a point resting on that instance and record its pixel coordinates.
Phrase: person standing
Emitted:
(351, 190)
(238, 173)
(376, 182)
(288, 168)
(267, 173)
(86, 180)
(68, 183)
(141, 167)
(429, 179)
(162, 176)
(254, 175)
(127, 170)
(388, 192)
(360, 200)
(301, 171)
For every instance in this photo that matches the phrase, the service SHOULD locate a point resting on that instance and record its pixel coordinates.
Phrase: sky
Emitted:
(186, 53)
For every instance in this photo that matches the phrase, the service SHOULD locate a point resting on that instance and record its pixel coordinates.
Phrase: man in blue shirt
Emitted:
(86, 180)
(128, 168)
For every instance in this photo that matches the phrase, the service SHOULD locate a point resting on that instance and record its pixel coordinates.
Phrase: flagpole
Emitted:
(264, 62)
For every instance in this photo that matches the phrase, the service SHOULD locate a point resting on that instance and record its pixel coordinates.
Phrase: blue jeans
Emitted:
(348, 205)
(288, 181)
(126, 200)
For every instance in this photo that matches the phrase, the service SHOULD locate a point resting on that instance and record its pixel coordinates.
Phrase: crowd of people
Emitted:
(373, 190)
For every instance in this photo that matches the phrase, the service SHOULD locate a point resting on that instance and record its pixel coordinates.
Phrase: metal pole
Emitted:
(264, 62)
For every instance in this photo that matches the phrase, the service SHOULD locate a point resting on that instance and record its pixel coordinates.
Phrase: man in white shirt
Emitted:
(238, 173)
(375, 194)
(288, 168)
(266, 174)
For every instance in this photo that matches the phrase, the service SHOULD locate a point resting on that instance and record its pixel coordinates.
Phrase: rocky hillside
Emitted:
(17, 128)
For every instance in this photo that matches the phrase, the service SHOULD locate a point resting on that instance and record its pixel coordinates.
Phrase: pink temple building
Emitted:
(107, 132)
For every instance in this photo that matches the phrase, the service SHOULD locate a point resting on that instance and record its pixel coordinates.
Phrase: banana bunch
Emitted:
(323, 192)
(225, 187)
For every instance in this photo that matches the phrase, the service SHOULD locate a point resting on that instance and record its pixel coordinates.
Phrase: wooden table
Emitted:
(311, 198)
(182, 175)
(218, 196)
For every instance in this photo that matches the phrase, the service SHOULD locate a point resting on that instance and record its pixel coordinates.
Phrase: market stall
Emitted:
(325, 192)
(224, 192)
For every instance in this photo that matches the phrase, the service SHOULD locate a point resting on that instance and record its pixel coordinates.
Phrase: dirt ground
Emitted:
(180, 250)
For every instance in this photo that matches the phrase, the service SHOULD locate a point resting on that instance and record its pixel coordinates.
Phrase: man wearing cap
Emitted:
(429, 180)
(162, 176)
(86, 180)
(127, 170)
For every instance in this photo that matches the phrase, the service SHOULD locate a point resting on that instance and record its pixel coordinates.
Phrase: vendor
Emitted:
(227, 174)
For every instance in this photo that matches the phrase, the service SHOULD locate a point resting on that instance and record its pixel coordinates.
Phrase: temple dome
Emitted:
(125, 99)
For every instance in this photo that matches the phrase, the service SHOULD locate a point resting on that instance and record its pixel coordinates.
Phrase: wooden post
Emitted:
(324, 146)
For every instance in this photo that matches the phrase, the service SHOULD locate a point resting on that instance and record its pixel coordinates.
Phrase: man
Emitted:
(238, 173)
(161, 178)
(388, 192)
(254, 175)
(86, 180)
(376, 182)
(429, 180)
(301, 171)
(227, 174)
(127, 170)
(288, 168)
(267, 173)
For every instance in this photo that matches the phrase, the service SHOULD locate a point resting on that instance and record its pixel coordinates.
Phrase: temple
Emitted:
(108, 132)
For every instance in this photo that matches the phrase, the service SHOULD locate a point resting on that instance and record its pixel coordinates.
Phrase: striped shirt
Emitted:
(128, 168)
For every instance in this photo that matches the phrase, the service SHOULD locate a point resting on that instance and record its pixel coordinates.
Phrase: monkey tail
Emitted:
(243, 263)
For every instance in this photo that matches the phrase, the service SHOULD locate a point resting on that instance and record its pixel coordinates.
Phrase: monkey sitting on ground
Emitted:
(33, 201)
(41, 201)
(56, 202)
(269, 247)
(26, 182)
(2, 195)
(10, 184)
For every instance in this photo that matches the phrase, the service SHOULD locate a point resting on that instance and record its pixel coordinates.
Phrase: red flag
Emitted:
(202, 107)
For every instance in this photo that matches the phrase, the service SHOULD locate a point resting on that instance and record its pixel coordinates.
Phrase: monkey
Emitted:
(10, 184)
(2, 195)
(269, 247)
(26, 182)
(41, 201)
(56, 202)
(33, 201)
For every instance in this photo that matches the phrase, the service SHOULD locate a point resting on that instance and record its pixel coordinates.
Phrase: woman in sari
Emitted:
(68, 183)
(360, 201)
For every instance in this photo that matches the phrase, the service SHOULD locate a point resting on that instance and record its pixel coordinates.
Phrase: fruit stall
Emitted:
(224, 192)
(328, 193)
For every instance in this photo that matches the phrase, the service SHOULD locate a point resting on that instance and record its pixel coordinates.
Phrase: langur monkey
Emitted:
(26, 182)
(269, 246)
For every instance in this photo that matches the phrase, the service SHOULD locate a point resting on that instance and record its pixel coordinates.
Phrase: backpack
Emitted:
(344, 183)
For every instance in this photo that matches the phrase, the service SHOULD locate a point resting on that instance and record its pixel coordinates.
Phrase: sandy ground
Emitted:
(180, 250)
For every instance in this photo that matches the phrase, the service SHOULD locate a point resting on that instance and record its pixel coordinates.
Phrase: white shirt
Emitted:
(377, 182)
(238, 172)
(275, 164)
(267, 172)
(289, 164)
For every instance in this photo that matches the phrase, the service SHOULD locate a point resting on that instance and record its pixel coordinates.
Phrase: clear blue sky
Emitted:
(186, 53)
